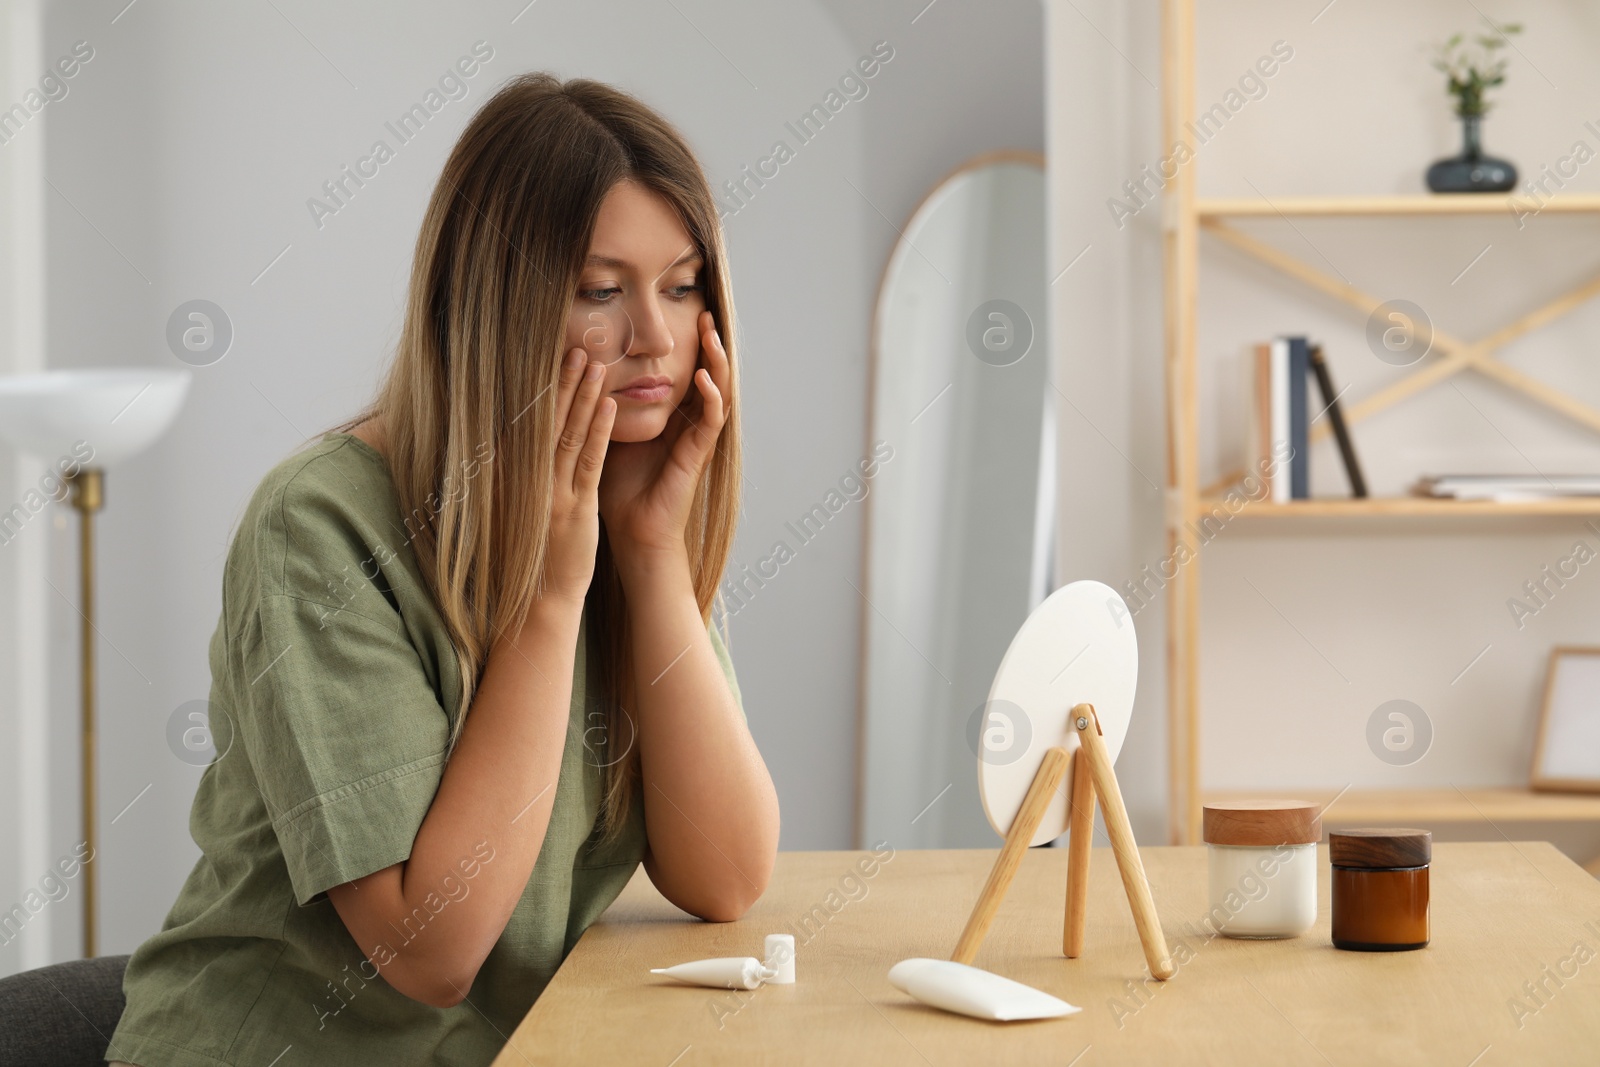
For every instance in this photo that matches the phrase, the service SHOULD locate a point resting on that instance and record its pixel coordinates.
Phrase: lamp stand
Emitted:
(88, 497)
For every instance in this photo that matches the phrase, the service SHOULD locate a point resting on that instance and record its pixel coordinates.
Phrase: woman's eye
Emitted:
(681, 292)
(599, 296)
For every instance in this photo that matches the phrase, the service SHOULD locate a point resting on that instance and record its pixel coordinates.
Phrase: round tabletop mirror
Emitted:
(1078, 647)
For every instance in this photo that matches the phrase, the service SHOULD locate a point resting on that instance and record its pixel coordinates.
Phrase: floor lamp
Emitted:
(80, 422)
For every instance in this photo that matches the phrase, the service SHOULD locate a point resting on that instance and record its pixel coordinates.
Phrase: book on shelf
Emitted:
(1272, 420)
(1299, 422)
(1341, 432)
(1263, 432)
(1508, 488)
(1282, 417)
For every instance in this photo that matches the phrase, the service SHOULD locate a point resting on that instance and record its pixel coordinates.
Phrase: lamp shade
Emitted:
(117, 411)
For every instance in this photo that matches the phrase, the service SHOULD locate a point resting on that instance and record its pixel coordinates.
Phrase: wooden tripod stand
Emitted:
(1092, 774)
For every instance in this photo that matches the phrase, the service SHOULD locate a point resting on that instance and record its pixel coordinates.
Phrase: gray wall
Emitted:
(181, 164)
(24, 830)
(1103, 113)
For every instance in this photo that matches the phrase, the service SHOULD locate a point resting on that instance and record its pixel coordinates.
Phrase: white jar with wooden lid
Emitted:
(1263, 866)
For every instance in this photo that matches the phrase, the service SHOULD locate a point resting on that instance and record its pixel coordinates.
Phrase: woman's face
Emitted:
(638, 308)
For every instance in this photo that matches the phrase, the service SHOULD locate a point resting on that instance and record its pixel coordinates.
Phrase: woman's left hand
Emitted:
(647, 487)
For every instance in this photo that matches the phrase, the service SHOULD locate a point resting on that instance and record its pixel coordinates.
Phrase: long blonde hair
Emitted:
(496, 268)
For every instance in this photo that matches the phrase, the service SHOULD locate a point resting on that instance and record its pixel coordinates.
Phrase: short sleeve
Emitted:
(726, 660)
(346, 737)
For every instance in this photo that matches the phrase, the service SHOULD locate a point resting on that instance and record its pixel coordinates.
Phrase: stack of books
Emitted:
(1508, 488)
(1283, 417)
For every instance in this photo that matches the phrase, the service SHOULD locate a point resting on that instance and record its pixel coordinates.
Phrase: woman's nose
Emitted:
(650, 335)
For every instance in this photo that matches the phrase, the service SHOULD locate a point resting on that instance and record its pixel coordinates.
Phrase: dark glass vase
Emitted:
(1471, 171)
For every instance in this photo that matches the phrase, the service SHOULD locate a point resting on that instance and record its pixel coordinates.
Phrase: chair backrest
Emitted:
(61, 1015)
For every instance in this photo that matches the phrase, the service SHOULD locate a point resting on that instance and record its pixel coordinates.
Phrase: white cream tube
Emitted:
(725, 972)
(971, 991)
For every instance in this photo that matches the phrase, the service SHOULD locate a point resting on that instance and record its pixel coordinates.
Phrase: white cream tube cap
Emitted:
(779, 955)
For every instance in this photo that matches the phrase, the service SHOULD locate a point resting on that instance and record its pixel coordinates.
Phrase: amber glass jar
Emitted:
(1380, 888)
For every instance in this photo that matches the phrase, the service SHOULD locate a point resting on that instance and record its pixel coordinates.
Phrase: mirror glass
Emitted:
(960, 518)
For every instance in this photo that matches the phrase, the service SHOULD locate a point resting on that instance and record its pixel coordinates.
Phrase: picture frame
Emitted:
(1566, 747)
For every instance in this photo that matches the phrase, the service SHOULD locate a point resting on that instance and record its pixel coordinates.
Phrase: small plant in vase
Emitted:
(1471, 73)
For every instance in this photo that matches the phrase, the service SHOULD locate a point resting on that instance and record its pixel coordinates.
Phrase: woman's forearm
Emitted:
(711, 811)
(488, 816)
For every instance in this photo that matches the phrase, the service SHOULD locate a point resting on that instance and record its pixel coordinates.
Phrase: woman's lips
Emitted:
(647, 394)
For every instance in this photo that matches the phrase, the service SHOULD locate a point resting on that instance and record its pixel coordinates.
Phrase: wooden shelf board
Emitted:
(1406, 807)
(1432, 204)
(1405, 505)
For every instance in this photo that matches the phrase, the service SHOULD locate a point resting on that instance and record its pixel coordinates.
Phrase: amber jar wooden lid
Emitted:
(1262, 822)
(1380, 848)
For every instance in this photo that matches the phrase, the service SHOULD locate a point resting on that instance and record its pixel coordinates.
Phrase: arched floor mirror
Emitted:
(961, 517)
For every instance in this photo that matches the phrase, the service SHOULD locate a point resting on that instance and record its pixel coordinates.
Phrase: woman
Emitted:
(464, 681)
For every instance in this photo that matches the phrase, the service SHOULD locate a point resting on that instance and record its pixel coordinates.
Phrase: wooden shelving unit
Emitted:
(1408, 506)
(1427, 806)
(1185, 217)
(1305, 206)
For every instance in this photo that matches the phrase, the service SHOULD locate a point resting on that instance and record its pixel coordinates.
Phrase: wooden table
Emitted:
(1502, 915)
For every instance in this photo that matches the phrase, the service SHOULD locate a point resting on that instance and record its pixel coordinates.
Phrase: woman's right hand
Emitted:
(586, 420)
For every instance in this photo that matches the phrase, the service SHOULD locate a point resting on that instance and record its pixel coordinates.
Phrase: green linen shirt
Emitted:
(334, 684)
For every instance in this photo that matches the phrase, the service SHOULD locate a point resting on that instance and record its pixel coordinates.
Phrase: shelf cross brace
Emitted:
(1456, 354)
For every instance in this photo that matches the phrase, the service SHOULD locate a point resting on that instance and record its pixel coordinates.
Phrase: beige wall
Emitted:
(1308, 627)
